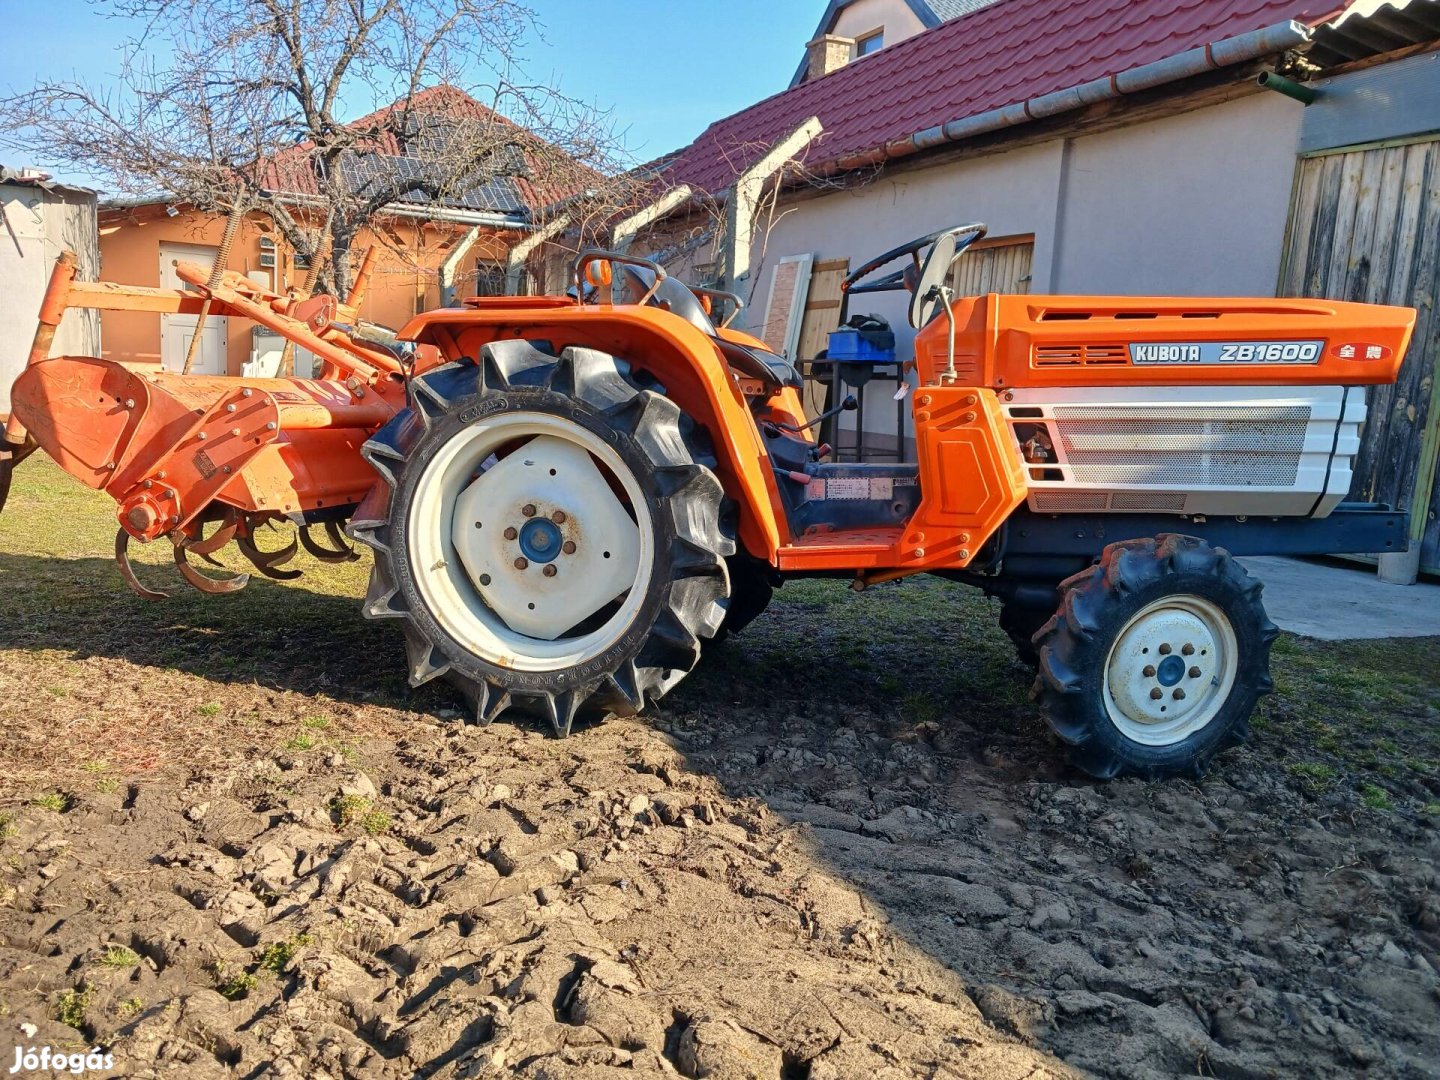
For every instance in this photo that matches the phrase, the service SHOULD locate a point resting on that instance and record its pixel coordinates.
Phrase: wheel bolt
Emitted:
(558, 517)
(1149, 672)
(549, 570)
(1165, 649)
(1156, 694)
(511, 533)
(528, 510)
(1194, 673)
(1188, 649)
(1179, 694)
(521, 563)
(568, 547)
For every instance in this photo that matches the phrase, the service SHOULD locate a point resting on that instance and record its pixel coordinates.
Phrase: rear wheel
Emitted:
(553, 541)
(1155, 659)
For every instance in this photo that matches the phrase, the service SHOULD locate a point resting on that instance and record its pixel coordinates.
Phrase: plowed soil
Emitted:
(235, 845)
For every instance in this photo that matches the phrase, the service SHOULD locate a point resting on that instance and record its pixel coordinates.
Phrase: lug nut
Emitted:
(568, 547)
(1149, 672)
(521, 563)
(511, 533)
(549, 570)
(1188, 649)
(558, 517)
(1179, 694)
(1194, 673)
(1156, 694)
(1165, 650)
(528, 510)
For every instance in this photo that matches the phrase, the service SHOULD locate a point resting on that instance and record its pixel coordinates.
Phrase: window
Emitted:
(489, 278)
(871, 42)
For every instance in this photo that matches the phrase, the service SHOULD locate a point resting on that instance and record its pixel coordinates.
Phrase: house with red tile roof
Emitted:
(429, 249)
(1181, 147)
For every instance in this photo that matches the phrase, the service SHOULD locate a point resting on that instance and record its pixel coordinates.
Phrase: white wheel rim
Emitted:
(1170, 670)
(549, 504)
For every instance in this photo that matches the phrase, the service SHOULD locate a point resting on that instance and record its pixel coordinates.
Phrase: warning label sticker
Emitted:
(878, 488)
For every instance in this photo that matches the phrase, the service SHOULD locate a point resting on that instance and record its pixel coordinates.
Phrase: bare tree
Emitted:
(231, 105)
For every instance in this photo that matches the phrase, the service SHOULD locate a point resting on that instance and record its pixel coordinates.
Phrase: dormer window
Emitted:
(870, 43)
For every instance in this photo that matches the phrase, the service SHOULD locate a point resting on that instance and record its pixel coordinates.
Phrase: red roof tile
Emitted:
(1009, 52)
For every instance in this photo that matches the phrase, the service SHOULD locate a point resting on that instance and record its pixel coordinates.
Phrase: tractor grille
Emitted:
(1206, 446)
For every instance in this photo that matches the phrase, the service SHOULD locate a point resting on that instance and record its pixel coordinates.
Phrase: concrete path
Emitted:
(1335, 603)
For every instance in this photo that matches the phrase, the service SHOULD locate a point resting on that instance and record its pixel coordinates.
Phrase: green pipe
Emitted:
(1291, 89)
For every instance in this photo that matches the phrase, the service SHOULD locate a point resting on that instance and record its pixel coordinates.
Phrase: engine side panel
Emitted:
(1187, 450)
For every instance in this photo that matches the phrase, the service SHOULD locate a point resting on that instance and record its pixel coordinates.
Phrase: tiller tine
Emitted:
(269, 562)
(342, 552)
(7, 469)
(207, 546)
(122, 560)
(213, 586)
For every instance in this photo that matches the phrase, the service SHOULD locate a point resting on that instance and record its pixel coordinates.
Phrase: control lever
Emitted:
(848, 405)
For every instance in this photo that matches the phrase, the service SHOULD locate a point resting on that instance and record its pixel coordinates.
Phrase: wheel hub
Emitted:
(544, 539)
(540, 540)
(1170, 670)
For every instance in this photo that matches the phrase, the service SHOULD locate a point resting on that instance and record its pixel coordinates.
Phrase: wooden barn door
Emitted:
(1365, 225)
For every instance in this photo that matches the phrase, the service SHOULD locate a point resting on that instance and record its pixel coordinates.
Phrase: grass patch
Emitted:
(131, 1007)
(118, 956)
(237, 986)
(8, 827)
(316, 723)
(53, 800)
(70, 1008)
(1375, 797)
(357, 810)
(303, 741)
(277, 956)
(210, 708)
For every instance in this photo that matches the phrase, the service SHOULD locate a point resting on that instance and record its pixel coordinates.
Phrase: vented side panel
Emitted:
(1190, 450)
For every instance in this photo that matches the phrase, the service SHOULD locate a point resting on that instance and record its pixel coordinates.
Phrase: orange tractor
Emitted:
(566, 498)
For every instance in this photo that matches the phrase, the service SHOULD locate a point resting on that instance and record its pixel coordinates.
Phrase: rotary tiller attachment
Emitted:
(269, 562)
(340, 553)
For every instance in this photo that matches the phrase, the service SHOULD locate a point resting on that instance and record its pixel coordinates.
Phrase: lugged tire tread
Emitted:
(1067, 646)
(698, 590)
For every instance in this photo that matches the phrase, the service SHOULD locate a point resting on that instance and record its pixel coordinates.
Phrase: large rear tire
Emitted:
(552, 542)
(1155, 659)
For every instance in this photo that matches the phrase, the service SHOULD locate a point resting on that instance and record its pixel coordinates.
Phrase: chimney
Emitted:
(827, 53)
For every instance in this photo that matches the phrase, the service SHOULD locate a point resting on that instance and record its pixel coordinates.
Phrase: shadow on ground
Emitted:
(845, 844)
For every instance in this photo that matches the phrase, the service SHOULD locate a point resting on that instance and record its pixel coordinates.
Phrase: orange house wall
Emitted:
(403, 284)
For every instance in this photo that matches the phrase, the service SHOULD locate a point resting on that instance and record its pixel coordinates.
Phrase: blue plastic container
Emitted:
(852, 347)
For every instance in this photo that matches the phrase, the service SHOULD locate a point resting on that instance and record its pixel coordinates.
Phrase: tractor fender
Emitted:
(674, 352)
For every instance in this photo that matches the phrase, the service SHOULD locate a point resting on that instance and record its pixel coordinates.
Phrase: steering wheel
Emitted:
(909, 277)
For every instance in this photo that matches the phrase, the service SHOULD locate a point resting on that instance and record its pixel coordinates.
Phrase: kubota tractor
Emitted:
(565, 498)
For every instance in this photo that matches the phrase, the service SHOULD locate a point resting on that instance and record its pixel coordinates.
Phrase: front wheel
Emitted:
(1155, 659)
(552, 539)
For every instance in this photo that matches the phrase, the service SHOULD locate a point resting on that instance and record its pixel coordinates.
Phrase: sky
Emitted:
(664, 68)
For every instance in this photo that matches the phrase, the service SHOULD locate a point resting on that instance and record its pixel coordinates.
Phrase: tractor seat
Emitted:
(672, 295)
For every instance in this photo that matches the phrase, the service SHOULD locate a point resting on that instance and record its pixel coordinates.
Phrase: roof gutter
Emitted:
(1198, 61)
(395, 209)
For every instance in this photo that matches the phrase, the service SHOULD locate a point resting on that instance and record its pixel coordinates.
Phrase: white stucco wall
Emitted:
(863, 16)
(1193, 204)
(40, 224)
